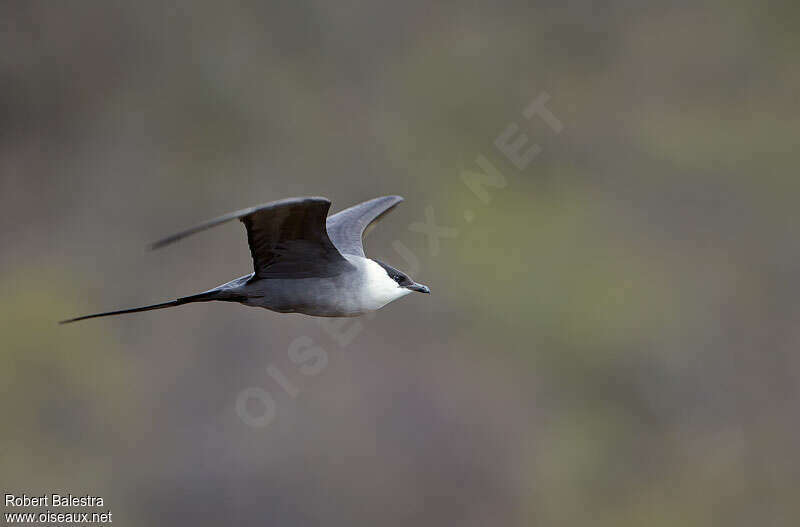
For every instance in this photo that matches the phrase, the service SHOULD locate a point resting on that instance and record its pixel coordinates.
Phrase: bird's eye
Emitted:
(398, 279)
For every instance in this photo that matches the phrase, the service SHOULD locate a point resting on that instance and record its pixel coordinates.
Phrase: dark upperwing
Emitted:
(287, 238)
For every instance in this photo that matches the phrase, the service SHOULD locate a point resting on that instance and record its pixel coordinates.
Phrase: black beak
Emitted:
(419, 288)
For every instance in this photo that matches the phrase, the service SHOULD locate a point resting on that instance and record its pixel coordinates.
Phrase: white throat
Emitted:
(378, 288)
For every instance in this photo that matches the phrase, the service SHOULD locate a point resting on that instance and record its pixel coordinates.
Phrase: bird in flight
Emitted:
(304, 261)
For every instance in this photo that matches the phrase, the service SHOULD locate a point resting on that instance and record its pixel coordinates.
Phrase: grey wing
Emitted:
(347, 228)
(287, 238)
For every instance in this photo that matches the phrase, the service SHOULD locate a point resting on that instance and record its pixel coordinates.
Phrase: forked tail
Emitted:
(201, 297)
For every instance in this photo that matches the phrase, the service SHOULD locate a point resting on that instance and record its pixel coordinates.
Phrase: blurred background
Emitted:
(612, 338)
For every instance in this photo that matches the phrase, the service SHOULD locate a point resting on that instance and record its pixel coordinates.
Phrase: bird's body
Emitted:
(305, 262)
(367, 287)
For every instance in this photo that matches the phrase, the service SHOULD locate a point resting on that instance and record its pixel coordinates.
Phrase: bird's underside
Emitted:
(303, 260)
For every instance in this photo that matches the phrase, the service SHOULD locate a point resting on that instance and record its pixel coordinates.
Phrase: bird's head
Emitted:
(403, 280)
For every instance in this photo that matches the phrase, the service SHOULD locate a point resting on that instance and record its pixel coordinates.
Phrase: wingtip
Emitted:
(392, 197)
(164, 242)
